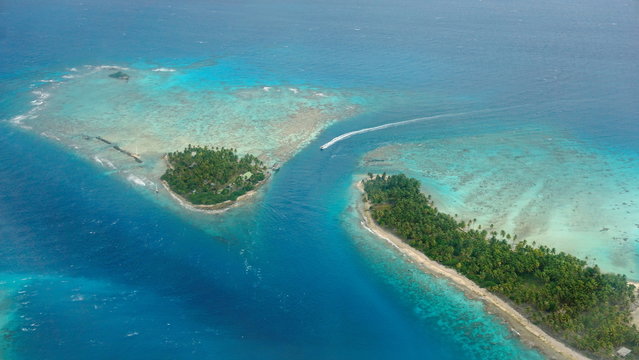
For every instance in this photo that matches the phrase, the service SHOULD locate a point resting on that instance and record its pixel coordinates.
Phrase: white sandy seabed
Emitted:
(161, 110)
(544, 188)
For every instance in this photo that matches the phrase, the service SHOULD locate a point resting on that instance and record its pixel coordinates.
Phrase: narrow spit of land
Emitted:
(598, 328)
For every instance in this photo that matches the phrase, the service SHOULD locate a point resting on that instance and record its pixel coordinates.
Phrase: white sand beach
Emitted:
(529, 333)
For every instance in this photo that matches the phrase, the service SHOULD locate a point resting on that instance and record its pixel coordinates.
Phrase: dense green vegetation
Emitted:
(587, 308)
(207, 176)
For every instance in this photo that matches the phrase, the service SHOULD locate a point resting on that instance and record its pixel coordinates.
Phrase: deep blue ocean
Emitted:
(92, 268)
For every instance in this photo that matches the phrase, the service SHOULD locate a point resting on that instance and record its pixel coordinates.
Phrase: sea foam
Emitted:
(136, 180)
(162, 69)
(41, 97)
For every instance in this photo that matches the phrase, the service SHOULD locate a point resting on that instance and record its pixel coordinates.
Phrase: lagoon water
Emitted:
(95, 265)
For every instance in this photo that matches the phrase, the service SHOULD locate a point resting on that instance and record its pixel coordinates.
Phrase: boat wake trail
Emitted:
(405, 122)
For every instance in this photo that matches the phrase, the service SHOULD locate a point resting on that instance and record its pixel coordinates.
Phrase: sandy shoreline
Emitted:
(215, 208)
(528, 332)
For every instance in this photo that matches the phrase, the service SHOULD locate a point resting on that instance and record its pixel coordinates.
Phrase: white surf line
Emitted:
(400, 123)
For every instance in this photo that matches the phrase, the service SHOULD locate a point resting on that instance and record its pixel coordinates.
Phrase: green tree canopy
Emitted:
(207, 176)
(587, 308)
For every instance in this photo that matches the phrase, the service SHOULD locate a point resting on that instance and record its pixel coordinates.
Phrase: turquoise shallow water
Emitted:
(583, 200)
(93, 266)
(257, 282)
(159, 109)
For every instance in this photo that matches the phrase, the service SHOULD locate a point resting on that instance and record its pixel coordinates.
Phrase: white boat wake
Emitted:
(400, 123)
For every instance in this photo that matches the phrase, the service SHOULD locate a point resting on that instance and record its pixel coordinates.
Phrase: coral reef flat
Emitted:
(156, 112)
(544, 186)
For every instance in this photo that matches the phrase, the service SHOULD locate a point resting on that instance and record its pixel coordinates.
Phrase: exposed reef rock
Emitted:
(120, 76)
